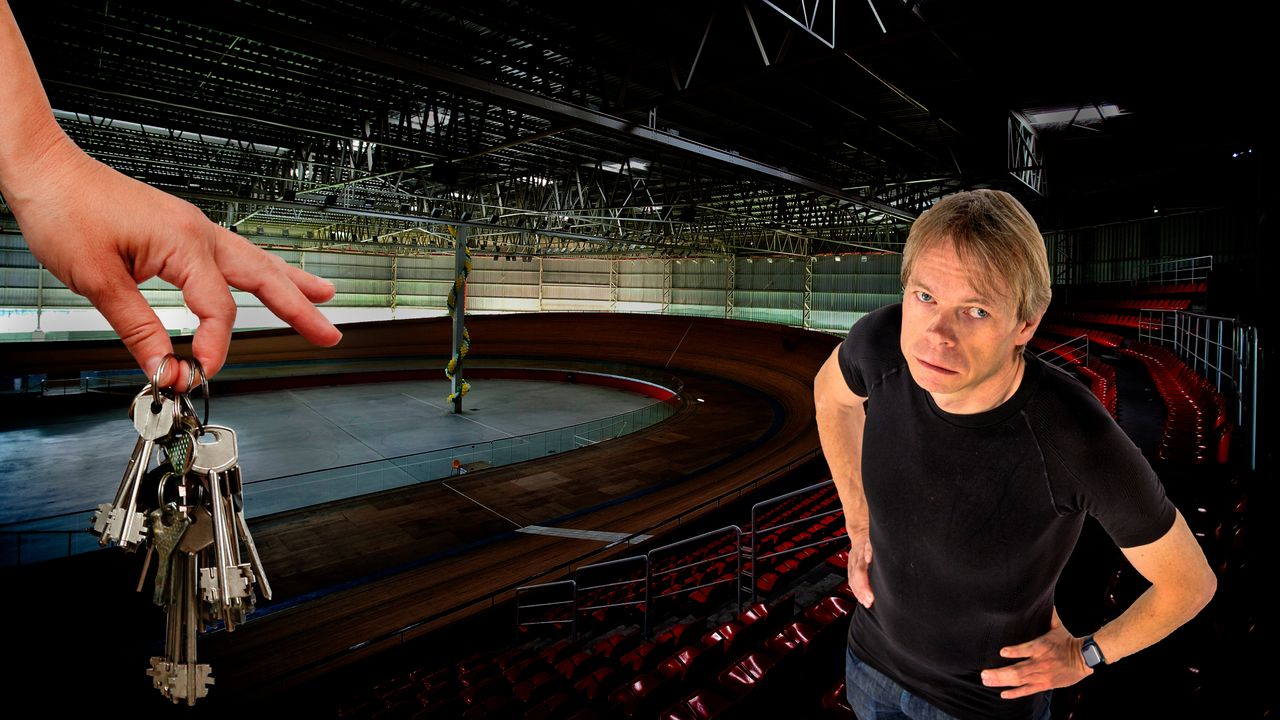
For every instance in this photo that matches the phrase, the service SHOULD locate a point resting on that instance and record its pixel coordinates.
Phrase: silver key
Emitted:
(227, 583)
(236, 490)
(121, 522)
(177, 675)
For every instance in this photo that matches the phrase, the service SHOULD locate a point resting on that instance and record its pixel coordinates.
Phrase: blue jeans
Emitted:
(875, 696)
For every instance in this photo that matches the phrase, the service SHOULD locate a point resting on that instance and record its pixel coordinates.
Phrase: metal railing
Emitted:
(672, 548)
(539, 592)
(1223, 350)
(582, 578)
(1072, 352)
(757, 532)
(1179, 270)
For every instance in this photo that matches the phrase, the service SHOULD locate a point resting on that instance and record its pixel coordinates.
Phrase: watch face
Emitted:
(1092, 656)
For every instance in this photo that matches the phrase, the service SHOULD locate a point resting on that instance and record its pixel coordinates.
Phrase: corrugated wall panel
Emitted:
(1124, 252)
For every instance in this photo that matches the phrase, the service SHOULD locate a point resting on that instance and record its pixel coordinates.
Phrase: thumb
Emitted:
(116, 296)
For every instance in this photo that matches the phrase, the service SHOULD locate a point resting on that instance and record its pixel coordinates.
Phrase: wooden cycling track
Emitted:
(756, 418)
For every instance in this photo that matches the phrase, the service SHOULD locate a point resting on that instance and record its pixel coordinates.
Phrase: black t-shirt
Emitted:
(974, 516)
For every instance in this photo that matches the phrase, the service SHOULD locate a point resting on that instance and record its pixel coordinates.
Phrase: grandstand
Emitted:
(689, 205)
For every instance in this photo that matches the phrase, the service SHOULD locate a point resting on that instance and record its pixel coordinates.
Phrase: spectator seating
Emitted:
(1196, 428)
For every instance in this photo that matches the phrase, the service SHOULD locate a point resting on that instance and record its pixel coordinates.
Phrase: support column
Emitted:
(666, 286)
(394, 268)
(806, 307)
(613, 285)
(730, 281)
(459, 314)
(539, 284)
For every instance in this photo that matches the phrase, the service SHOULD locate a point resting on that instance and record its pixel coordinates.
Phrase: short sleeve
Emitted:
(1100, 470)
(871, 348)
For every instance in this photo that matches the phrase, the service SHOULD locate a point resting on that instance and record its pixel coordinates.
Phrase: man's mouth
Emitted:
(936, 368)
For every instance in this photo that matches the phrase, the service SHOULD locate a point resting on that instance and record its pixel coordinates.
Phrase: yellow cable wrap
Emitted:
(458, 284)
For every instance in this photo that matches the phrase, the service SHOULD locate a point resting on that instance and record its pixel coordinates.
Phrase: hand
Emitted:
(1053, 661)
(859, 561)
(101, 233)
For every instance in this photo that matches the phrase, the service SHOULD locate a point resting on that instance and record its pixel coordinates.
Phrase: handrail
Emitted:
(1073, 357)
(580, 586)
(572, 602)
(755, 527)
(648, 581)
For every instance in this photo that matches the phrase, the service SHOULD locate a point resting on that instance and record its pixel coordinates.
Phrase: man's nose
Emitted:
(941, 329)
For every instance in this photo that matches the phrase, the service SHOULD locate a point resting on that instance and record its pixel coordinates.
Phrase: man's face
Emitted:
(959, 344)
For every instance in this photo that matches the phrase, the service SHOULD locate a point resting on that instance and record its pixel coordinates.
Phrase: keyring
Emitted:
(196, 367)
(155, 380)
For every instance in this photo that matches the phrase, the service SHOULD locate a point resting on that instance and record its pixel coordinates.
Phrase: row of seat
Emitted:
(1196, 428)
(622, 675)
(1123, 322)
(1101, 337)
(1131, 303)
(1102, 381)
(1109, 291)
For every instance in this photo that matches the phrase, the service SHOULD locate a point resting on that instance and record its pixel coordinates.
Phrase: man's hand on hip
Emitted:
(1053, 660)
(859, 561)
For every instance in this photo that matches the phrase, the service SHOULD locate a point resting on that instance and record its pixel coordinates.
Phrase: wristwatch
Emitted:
(1092, 653)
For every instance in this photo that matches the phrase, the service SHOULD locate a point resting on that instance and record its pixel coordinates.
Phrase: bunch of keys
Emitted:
(188, 513)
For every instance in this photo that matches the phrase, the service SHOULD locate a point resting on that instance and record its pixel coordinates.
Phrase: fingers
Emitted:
(859, 580)
(287, 292)
(207, 295)
(1023, 650)
(316, 289)
(115, 293)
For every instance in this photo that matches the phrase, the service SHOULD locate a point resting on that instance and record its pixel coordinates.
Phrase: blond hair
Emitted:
(995, 236)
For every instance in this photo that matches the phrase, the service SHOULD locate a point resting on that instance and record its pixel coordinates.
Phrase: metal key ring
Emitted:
(155, 379)
(196, 367)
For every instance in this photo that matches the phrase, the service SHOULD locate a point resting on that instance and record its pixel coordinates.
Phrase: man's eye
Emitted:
(923, 296)
(978, 313)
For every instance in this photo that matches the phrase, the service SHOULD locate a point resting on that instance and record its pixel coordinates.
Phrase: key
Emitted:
(167, 527)
(199, 534)
(227, 583)
(121, 522)
(236, 489)
(102, 516)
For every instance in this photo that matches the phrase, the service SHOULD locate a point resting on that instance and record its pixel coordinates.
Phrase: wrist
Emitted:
(28, 167)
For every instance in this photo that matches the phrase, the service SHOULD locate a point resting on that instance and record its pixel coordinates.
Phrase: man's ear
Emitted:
(1027, 329)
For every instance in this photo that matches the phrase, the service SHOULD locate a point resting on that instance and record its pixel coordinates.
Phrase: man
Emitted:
(969, 465)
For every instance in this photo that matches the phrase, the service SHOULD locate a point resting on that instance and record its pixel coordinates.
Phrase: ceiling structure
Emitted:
(663, 128)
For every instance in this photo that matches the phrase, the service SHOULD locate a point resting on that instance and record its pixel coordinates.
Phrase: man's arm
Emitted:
(1181, 585)
(27, 127)
(841, 418)
(102, 243)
